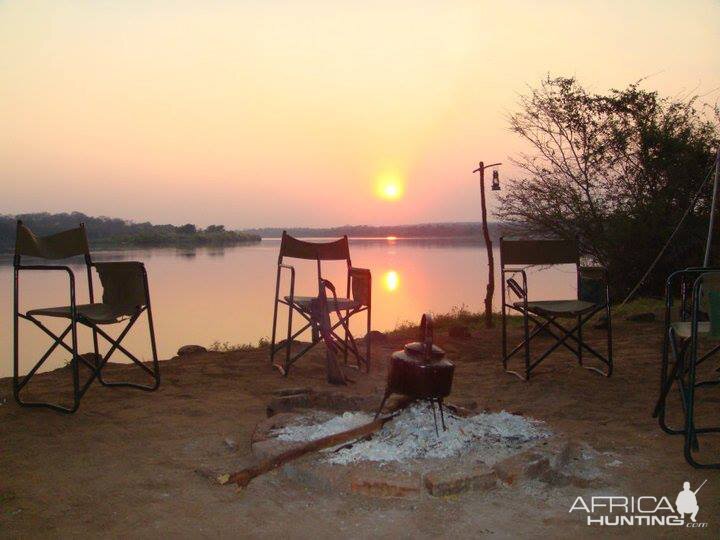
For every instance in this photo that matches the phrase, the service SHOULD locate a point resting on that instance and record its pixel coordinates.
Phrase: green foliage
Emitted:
(111, 232)
(617, 170)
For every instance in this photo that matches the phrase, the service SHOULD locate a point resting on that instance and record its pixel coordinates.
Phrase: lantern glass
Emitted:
(496, 180)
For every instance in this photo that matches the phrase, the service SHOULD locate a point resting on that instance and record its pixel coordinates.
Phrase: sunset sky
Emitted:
(273, 113)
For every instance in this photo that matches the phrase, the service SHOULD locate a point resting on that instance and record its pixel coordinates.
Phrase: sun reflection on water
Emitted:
(391, 280)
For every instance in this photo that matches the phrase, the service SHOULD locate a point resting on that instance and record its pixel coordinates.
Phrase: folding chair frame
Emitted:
(548, 323)
(77, 359)
(683, 371)
(346, 343)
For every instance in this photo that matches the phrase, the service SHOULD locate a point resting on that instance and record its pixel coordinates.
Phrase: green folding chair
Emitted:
(126, 296)
(357, 300)
(698, 323)
(593, 296)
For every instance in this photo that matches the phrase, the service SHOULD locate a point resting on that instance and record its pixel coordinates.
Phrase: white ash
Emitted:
(306, 431)
(411, 435)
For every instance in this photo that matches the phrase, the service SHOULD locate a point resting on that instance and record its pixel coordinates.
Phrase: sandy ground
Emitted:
(126, 464)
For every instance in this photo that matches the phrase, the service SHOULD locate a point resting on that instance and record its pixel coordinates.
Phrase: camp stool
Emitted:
(125, 297)
(593, 296)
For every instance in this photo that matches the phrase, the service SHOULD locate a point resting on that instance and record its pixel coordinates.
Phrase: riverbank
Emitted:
(142, 464)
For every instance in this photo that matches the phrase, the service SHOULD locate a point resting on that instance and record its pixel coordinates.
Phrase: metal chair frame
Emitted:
(347, 342)
(549, 322)
(683, 371)
(99, 361)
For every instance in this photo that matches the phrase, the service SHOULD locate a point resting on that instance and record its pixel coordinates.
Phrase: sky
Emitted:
(259, 113)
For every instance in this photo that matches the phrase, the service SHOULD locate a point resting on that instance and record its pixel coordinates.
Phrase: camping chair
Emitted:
(593, 296)
(125, 297)
(358, 284)
(699, 322)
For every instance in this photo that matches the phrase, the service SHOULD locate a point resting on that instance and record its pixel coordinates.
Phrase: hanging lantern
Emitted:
(496, 180)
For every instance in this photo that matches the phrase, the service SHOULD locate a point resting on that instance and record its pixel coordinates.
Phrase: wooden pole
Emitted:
(490, 290)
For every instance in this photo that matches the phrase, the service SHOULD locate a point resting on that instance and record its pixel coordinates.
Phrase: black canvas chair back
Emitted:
(125, 297)
(538, 252)
(358, 299)
(62, 245)
(593, 296)
(338, 250)
(691, 341)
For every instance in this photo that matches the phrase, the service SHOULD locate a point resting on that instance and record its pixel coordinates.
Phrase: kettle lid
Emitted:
(417, 348)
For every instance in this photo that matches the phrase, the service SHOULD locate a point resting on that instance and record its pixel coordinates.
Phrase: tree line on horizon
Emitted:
(115, 232)
(460, 229)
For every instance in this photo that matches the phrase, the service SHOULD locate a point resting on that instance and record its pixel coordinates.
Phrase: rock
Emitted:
(289, 403)
(230, 444)
(340, 402)
(560, 464)
(641, 317)
(459, 331)
(470, 478)
(515, 468)
(186, 350)
(376, 484)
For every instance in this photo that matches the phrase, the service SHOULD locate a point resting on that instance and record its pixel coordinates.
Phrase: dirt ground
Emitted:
(134, 464)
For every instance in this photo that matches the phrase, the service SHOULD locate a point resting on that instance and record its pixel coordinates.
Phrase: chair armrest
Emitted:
(71, 277)
(117, 264)
(697, 298)
(520, 292)
(280, 268)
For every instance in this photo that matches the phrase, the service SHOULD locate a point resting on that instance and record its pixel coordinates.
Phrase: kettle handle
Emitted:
(426, 333)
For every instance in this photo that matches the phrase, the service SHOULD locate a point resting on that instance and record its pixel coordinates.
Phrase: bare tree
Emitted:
(615, 170)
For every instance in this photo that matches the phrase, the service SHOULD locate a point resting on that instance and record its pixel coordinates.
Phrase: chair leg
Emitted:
(74, 366)
(526, 324)
(115, 345)
(504, 335)
(579, 332)
(153, 345)
(274, 328)
(288, 343)
(345, 343)
(671, 379)
(690, 431)
(609, 340)
(367, 342)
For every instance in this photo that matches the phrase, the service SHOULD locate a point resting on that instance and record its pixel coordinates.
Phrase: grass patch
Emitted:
(227, 346)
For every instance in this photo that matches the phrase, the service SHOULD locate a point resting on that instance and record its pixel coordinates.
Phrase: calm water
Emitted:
(226, 294)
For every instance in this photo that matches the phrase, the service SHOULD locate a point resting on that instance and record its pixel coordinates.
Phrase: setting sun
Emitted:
(391, 280)
(389, 186)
